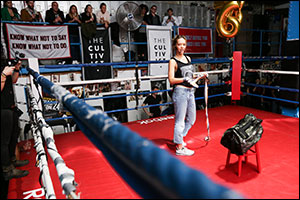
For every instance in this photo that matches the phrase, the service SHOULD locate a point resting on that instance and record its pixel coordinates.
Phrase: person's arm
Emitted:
(5, 14)
(40, 17)
(175, 22)
(88, 19)
(25, 16)
(160, 102)
(159, 22)
(16, 73)
(7, 71)
(78, 19)
(146, 109)
(62, 17)
(98, 17)
(107, 18)
(16, 13)
(49, 18)
(164, 22)
(68, 19)
(171, 73)
(94, 18)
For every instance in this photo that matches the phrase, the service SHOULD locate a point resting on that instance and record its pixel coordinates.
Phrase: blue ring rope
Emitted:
(138, 154)
(127, 109)
(145, 63)
(278, 99)
(132, 94)
(193, 61)
(272, 87)
(168, 103)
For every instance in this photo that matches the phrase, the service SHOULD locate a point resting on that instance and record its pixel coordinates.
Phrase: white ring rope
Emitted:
(41, 162)
(130, 79)
(273, 71)
(65, 174)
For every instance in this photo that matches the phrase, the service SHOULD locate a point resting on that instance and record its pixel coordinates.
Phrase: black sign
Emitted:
(97, 50)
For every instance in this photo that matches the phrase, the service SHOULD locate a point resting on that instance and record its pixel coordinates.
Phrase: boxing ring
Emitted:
(107, 159)
(112, 160)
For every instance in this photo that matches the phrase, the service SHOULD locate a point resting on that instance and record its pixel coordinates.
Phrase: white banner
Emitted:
(159, 48)
(35, 41)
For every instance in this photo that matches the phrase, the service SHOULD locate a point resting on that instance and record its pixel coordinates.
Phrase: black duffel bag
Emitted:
(242, 136)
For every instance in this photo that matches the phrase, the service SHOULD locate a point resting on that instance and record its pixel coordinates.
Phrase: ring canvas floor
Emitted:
(279, 151)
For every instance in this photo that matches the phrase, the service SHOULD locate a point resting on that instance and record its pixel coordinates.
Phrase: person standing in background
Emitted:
(88, 16)
(140, 35)
(29, 14)
(153, 99)
(73, 17)
(170, 20)
(54, 15)
(10, 129)
(103, 16)
(152, 18)
(9, 13)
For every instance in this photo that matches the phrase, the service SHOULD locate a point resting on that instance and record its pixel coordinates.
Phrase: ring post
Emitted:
(236, 75)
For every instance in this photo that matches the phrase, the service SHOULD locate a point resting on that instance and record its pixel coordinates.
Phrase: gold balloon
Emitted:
(229, 19)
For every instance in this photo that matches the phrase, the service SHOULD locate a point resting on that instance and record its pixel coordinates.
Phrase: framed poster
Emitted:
(96, 50)
(159, 48)
(199, 41)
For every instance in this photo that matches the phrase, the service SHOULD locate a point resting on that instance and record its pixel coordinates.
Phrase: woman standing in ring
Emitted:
(184, 83)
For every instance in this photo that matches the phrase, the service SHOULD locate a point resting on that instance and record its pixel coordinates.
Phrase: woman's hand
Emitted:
(8, 71)
(18, 65)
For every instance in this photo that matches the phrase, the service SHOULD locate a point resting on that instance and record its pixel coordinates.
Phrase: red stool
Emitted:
(253, 152)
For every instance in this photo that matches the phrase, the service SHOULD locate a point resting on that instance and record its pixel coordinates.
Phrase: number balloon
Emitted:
(229, 19)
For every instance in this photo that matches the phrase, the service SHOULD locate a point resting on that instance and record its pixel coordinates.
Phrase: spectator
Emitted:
(140, 35)
(152, 18)
(9, 13)
(54, 15)
(144, 10)
(88, 16)
(103, 16)
(152, 99)
(29, 14)
(88, 19)
(10, 123)
(73, 17)
(170, 20)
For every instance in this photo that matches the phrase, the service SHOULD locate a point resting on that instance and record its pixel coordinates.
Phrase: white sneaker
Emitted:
(184, 152)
